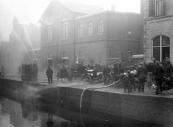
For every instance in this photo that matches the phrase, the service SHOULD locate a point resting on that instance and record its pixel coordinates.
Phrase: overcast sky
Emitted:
(29, 11)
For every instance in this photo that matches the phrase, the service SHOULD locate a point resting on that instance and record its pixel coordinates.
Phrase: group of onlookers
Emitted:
(61, 74)
(64, 71)
(153, 70)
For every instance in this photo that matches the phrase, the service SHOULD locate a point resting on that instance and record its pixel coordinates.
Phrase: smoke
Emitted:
(26, 11)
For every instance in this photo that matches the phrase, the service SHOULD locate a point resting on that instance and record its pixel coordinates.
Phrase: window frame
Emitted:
(80, 30)
(90, 29)
(64, 31)
(100, 26)
(160, 46)
(49, 33)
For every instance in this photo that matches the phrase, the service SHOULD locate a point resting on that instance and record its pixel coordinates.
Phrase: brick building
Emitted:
(158, 29)
(87, 34)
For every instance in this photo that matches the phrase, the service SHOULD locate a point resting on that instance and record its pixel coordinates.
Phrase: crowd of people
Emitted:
(65, 71)
(153, 70)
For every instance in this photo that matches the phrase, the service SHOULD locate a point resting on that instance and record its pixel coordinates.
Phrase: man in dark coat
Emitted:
(167, 67)
(63, 73)
(131, 81)
(141, 73)
(158, 76)
(106, 70)
(115, 68)
(49, 74)
(150, 70)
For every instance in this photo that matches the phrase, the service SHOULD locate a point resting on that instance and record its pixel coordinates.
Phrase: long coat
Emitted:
(142, 72)
(49, 72)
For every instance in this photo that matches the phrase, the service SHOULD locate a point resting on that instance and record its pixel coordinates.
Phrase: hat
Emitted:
(141, 63)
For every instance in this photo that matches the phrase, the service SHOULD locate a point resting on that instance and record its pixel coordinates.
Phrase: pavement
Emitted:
(115, 88)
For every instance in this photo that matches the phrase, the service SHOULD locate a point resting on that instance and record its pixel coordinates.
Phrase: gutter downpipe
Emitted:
(74, 42)
(107, 48)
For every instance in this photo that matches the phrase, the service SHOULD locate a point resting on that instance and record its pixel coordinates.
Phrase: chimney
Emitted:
(112, 7)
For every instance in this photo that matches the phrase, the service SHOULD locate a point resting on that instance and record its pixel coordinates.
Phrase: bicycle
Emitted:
(167, 85)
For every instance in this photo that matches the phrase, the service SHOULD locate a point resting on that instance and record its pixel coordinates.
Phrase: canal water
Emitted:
(20, 107)
(16, 114)
(27, 113)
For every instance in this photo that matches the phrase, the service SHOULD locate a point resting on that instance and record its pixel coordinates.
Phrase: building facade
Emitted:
(72, 36)
(158, 29)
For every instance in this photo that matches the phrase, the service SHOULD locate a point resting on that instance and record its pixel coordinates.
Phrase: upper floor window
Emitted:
(155, 8)
(49, 33)
(159, 8)
(100, 27)
(80, 30)
(90, 32)
(64, 30)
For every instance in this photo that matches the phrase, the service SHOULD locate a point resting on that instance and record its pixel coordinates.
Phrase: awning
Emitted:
(65, 58)
(137, 56)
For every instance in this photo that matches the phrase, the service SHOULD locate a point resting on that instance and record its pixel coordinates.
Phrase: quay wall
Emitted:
(151, 109)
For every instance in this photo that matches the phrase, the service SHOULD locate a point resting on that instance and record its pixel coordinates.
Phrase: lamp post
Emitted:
(129, 33)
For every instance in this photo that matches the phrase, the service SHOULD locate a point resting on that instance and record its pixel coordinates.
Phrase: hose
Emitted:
(81, 98)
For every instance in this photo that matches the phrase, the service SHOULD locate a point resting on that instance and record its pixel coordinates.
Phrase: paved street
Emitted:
(42, 79)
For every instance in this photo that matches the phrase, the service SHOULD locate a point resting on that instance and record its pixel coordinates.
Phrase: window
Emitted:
(161, 47)
(100, 27)
(90, 32)
(155, 8)
(151, 8)
(64, 30)
(80, 30)
(49, 59)
(159, 7)
(49, 33)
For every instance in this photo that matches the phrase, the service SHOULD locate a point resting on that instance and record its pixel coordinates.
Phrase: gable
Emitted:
(77, 9)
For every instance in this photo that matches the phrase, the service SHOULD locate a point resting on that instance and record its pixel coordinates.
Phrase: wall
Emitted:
(92, 52)
(145, 108)
(157, 27)
(91, 47)
(124, 33)
(85, 20)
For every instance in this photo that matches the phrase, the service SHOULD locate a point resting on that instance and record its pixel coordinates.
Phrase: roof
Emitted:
(107, 11)
(74, 7)
(81, 8)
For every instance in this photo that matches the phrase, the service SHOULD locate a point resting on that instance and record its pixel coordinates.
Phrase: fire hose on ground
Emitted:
(92, 88)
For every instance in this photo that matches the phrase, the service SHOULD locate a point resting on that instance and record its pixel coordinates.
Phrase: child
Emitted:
(126, 82)
(131, 80)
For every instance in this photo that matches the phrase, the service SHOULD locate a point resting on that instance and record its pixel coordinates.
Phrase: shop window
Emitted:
(161, 47)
